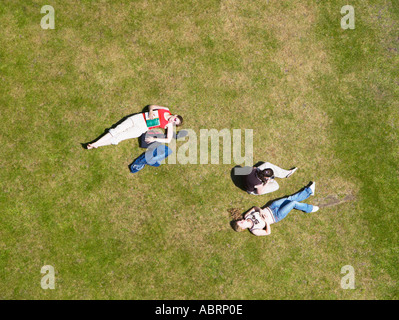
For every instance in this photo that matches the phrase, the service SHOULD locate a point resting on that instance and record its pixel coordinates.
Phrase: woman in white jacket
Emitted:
(258, 220)
(134, 126)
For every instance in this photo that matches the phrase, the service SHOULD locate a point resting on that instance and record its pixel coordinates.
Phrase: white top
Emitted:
(268, 214)
(259, 219)
(258, 222)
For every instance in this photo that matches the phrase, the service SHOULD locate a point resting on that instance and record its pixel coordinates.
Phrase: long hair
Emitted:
(235, 226)
(236, 215)
(264, 174)
(181, 120)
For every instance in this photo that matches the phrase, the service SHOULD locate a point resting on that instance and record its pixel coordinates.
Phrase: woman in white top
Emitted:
(134, 126)
(258, 220)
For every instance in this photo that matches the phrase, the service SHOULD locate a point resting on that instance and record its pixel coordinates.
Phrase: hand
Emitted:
(150, 139)
(151, 114)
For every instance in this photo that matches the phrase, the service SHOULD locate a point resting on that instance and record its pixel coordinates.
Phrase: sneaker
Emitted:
(136, 167)
(312, 187)
(291, 172)
(315, 208)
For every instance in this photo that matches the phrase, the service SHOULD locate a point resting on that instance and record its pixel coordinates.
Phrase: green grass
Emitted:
(316, 96)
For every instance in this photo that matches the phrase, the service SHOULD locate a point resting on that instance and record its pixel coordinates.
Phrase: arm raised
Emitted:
(154, 107)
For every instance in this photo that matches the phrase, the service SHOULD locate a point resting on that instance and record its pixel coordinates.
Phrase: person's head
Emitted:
(176, 120)
(241, 225)
(265, 174)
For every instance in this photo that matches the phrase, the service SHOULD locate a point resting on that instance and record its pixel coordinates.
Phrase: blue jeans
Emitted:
(153, 157)
(283, 206)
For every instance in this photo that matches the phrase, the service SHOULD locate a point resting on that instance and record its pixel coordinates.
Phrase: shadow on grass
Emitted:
(84, 145)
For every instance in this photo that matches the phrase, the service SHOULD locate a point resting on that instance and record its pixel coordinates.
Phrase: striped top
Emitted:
(259, 219)
(258, 222)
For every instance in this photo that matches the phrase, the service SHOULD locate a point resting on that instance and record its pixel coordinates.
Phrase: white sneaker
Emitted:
(291, 172)
(315, 208)
(313, 187)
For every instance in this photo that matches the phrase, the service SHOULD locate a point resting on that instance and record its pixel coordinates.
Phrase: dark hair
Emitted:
(262, 175)
(235, 226)
(257, 209)
(181, 120)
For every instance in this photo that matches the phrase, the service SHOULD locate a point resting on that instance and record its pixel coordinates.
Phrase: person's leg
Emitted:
(132, 132)
(291, 202)
(111, 136)
(301, 195)
(154, 156)
(278, 172)
(276, 204)
(132, 127)
(138, 164)
(103, 141)
(288, 205)
(271, 186)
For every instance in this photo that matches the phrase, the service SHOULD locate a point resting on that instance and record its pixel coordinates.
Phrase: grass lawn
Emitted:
(316, 96)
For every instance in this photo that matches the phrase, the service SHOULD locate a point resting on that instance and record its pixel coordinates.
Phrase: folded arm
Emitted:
(249, 212)
(169, 136)
(260, 188)
(262, 232)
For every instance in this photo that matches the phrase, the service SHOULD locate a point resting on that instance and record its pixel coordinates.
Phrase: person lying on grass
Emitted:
(258, 220)
(261, 179)
(156, 152)
(135, 125)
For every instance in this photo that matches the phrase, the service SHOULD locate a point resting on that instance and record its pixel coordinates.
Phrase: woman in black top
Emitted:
(261, 179)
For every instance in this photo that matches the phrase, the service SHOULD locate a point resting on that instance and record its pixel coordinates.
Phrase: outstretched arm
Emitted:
(153, 107)
(168, 139)
(262, 232)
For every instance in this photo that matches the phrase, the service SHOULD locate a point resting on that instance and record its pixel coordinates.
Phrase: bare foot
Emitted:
(91, 146)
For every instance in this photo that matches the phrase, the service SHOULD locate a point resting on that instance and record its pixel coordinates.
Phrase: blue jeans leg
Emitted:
(283, 211)
(138, 164)
(301, 195)
(283, 206)
(154, 156)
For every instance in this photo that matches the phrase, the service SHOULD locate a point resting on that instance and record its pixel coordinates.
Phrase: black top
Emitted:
(251, 180)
